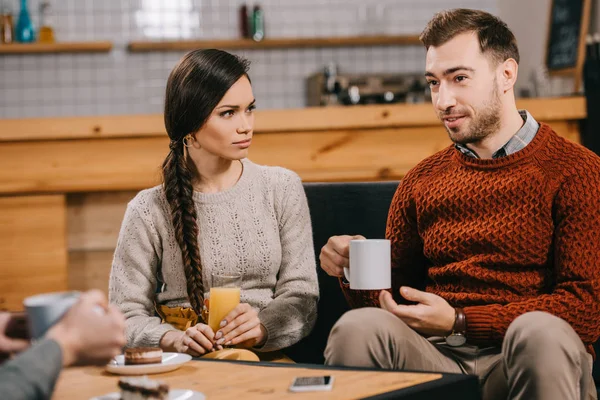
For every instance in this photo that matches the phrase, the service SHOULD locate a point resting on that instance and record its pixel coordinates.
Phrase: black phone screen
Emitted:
(312, 380)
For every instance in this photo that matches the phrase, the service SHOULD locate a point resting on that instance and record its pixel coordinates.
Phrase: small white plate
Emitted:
(170, 362)
(176, 394)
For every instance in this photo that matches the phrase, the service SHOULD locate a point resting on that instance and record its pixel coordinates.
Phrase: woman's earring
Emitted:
(185, 141)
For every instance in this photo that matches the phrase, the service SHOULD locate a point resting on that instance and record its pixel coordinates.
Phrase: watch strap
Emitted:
(460, 322)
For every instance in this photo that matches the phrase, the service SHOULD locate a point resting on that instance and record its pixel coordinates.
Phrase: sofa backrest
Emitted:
(339, 209)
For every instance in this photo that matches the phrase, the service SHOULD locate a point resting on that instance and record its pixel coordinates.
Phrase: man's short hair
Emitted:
(494, 36)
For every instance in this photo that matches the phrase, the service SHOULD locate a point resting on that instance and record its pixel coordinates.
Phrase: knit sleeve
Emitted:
(33, 373)
(292, 313)
(133, 280)
(575, 296)
(408, 261)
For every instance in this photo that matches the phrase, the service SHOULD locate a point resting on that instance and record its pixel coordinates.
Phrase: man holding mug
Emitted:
(90, 332)
(495, 241)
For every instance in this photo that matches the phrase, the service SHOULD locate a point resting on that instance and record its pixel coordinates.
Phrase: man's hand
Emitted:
(13, 334)
(91, 332)
(431, 316)
(335, 254)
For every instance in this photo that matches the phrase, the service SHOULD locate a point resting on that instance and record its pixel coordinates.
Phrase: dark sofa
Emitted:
(338, 209)
(347, 208)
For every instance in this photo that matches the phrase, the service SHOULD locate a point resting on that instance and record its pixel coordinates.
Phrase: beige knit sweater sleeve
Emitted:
(296, 293)
(133, 280)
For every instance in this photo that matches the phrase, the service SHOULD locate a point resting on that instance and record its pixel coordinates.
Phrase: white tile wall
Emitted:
(127, 83)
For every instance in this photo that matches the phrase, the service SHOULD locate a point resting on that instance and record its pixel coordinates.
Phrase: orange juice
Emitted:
(222, 301)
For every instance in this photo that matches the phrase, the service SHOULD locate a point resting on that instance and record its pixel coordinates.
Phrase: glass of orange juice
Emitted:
(224, 297)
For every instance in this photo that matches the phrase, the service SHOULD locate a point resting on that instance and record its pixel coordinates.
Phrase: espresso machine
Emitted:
(331, 88)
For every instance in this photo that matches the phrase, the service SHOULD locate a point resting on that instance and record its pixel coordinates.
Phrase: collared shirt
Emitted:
(518, 142)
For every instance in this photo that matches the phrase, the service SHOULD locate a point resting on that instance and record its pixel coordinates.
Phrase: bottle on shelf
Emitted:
(6, 24)
(46, 32)
(245, 21)
(258, 24)
(24, 31)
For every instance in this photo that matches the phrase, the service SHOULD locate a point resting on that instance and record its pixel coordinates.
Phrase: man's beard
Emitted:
(486, 123)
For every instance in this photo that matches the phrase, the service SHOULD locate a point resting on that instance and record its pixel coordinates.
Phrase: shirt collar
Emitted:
(517, 142)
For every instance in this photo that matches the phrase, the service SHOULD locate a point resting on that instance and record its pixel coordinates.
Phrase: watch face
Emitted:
(456, 339)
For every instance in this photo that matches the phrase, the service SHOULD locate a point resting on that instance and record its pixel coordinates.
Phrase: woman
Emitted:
(215, 212)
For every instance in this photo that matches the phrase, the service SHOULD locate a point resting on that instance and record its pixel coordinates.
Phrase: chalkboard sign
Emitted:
(565, 34)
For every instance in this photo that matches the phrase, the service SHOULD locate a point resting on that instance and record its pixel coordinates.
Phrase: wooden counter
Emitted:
(64, 182)
(321, 144)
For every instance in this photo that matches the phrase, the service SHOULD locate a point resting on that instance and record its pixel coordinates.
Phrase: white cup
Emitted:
(44, 310)
(370, 263)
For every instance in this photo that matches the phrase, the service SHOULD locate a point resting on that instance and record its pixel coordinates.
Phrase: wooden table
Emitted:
(269, 381)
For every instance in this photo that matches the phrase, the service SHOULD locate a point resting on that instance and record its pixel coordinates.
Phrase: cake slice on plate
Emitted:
(143, 355)
(143, 389)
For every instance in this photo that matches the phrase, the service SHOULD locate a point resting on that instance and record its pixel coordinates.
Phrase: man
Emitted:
(85, 335)
(495, 239)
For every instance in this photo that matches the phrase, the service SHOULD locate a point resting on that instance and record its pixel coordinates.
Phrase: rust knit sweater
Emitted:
(502, 237)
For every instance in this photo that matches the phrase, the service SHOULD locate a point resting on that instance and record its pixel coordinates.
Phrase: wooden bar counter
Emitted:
(65, 182)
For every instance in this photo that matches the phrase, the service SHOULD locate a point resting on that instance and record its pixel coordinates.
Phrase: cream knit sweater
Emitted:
(259, 227)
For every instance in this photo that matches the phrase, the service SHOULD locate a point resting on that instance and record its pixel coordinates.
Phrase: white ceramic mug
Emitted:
(44, 310)
(370, 265)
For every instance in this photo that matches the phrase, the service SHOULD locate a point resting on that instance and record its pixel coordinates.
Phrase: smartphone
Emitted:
(312, 383)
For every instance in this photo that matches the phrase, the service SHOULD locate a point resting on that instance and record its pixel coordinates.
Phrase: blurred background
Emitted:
(125, 82)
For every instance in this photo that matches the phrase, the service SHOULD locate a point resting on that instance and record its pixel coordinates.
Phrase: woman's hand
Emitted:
(241, 327)
(195, 341)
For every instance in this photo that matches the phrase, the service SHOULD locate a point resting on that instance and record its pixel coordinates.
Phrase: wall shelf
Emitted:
(60, 47)
(290, 43)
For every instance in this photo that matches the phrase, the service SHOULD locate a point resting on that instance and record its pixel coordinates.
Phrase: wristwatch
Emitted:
(458, 337)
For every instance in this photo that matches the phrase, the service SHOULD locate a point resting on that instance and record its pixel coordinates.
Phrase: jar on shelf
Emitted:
(46, 31)
(7, 26)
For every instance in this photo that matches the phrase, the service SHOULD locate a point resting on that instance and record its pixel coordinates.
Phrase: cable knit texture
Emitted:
(259, 227)
(502, 237)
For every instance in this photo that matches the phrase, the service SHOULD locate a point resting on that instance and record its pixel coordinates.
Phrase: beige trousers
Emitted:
(541, 357)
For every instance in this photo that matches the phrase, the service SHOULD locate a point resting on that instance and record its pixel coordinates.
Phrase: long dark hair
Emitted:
(194, 88)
